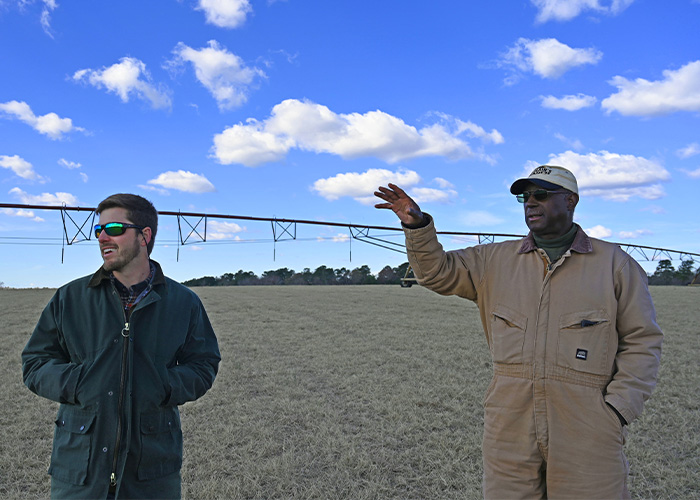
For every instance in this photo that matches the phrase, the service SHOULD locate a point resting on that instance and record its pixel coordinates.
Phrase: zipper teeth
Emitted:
(120, 405)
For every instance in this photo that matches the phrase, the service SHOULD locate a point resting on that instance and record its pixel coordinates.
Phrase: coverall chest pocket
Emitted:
(584, 338)
(507, 335)
(71, 446)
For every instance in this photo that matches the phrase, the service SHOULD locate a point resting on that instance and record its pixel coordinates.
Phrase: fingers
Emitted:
(400, 192)
(384, 205)
(385, 193)
(390, 194)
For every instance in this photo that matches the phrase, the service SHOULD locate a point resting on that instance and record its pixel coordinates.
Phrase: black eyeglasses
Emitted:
(539, 194)
(114, 228)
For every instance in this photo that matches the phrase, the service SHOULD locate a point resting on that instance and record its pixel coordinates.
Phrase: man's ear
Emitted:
(147, 235)
(572, 201)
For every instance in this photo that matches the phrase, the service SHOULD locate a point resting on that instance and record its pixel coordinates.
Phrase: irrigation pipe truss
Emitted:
(192, 228)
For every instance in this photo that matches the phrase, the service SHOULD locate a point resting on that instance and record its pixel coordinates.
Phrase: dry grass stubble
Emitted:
(341, 393)
(352, 392)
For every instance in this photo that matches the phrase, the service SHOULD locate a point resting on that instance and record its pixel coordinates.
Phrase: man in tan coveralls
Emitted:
(572, 331)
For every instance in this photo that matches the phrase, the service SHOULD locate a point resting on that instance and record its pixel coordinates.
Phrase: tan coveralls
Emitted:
(566, 339)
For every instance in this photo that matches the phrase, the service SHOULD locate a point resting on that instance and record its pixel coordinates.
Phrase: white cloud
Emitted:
(599, 232)
(217, 230)
(160, 191)
(225, 13)
(565, 10)
(693, 174)
(361, 186)
(183, 181)
(250, 145)
(472, 129)
(613, 176)
(568, 102)
(655, 209)
(572, 143)
(424, 194)
(312, 127)
(49, 124)
(679, 90)
(49, 6)
(129, 77)
(21, 167)
(443, 183)
(83, 176)
(689, 151)
(547, 58)
(340, 238)
(480, 218)
(653, 192)
(631, 235)
(69, 164)
(222, 73)
(48, 199)
(20, 212)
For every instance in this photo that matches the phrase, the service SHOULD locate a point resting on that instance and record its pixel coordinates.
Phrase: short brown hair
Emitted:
(139, 210)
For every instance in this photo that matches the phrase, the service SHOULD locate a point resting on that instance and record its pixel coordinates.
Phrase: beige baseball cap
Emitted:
(549, 177)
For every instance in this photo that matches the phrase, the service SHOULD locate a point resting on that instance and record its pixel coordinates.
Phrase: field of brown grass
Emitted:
(357, 392)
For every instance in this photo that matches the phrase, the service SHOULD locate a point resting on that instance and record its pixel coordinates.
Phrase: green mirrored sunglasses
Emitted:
(114, 228)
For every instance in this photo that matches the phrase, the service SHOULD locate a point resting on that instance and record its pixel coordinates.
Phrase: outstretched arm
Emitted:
(401, 204)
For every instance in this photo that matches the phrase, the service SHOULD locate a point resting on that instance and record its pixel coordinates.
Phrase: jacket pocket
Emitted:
(161, 444)
(583, 342)
(507, 334)
(71, 445)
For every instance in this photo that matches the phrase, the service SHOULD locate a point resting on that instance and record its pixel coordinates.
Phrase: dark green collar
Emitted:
(557, 247)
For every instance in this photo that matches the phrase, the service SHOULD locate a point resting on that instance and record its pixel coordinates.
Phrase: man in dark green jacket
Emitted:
(120, 350)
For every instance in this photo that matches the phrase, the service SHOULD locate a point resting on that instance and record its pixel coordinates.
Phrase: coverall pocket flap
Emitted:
(510, 317)
(507, 334)
(585, 342)
(584, 319)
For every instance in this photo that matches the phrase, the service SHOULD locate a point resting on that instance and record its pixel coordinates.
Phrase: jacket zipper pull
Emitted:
(113, 479)
(125, 330)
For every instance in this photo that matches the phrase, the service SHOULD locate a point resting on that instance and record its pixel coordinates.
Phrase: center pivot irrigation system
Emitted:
(78, 225)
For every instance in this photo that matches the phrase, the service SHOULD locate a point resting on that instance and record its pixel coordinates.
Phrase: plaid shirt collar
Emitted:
(132, 295)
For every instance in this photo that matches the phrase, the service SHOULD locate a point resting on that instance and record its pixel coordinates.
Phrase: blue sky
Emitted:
(299, 110)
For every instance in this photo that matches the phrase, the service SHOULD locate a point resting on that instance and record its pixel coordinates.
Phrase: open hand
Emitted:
(400, 203)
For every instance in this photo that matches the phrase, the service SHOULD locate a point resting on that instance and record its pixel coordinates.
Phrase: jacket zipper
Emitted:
(120, 407)
(122, 382)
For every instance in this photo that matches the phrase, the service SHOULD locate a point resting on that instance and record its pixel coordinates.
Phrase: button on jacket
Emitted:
(119, 384)
(568, 340)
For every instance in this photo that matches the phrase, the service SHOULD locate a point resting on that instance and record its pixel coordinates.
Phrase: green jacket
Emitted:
(119, 384)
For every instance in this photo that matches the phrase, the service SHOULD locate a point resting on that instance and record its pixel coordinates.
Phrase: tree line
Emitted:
(665, 274)
(321, 276)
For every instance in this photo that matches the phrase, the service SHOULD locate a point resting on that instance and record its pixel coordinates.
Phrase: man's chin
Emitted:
(110, 266)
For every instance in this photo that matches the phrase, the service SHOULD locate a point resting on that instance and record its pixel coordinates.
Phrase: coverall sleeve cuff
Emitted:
(427, 220)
